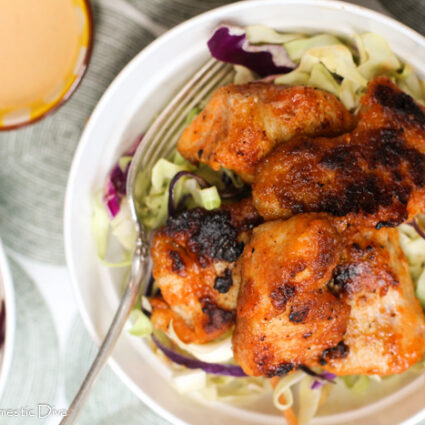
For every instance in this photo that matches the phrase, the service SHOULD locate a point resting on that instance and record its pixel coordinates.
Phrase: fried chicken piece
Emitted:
(286, 316)
(315, 292)
(242, 123)
(194, 259)
(386, 329)
(374, 176)
(373, 179)
(386, 106)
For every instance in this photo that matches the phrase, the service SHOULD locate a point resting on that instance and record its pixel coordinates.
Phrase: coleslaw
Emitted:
(338, 65)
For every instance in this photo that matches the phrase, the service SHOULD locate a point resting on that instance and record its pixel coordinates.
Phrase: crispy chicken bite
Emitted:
(373, 179)
(374, 176)
(314, 293)
(286, 316)
(386, 329)
(386, 106)
(194, 259)
(242, 123)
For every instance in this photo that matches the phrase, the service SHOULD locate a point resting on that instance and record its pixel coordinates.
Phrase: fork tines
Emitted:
(168, 126)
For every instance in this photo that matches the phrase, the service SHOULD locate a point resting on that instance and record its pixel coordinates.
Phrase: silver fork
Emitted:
(161, 136)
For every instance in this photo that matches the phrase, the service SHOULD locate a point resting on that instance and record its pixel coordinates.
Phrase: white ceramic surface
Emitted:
(124, 112)
(6, 294)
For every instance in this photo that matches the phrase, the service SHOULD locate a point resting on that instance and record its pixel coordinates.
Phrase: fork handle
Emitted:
(126, 304)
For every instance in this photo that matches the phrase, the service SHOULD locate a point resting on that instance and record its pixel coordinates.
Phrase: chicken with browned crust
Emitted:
(374, 176)
(242, 123)
(316, 293)
(194, 259)
(286, 315)
(329, 286)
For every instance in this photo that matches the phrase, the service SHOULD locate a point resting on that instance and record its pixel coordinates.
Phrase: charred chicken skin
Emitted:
(374, 176)
(242, 123)
(315, 294)
(326, 283)
(194, 259)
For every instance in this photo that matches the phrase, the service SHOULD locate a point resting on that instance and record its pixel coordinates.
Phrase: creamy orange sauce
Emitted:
(38, 49)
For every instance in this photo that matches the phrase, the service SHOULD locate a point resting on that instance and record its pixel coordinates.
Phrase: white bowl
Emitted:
(8, 295)
(124, 112)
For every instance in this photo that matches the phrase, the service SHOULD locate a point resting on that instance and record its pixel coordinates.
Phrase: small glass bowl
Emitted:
(15, 118)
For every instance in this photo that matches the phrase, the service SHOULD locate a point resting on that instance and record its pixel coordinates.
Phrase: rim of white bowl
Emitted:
(85, 140)
(6, 285)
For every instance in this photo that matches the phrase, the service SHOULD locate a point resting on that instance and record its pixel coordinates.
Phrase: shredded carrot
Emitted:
(288, 414)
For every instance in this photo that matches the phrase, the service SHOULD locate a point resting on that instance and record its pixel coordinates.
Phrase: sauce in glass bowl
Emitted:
(45, 46)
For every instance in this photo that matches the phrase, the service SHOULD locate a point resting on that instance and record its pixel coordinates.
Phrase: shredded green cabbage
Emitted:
(357, 383)
(339, 60)
(139, 324)
(192, 114)
(409, 82)
(124, 161)
(321, 78)
(243, 75)
(420, 289)
(121, 228)
(259, 34)
(218, 351)
(230, 390)
(308, 400)
(284, 388)
(187, 381)
(413, 246)
(207, 198)
(211, 387)
(376, 56)
(345, 67)
(294, 78)
(226, 388)
(297, 48)
(154, 205)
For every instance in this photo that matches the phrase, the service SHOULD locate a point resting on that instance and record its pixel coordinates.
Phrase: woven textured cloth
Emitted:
(52, 355)
(410, 12)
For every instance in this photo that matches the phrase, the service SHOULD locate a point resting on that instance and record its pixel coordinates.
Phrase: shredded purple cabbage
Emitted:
(328, 376)
(230, 44)
(317, 384)
(321, 378)
(229, 192)
(171, 188)
(115, 186)
(190, 363)
(418, 229)
(115, 190)
(111, 199)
